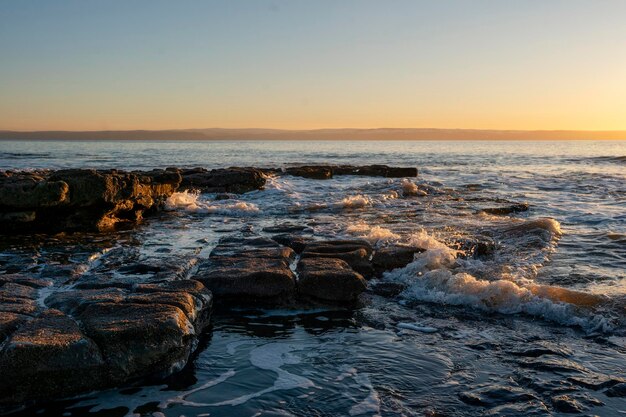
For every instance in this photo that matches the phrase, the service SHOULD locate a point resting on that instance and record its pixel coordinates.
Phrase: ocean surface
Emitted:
(502, 315)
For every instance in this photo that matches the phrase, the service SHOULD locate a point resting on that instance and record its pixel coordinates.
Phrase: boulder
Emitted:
(252, 269)
(329, 279)
(356, 253)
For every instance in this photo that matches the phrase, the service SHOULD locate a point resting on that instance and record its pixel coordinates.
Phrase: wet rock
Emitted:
(17, 298)
(253, 269)
(356, 253)
(48, 357)
(494, 395)
(75, 301)
(549, 364)
(295, 242)
(136, 339)
(503, 211)
(376, 171)
(387, 289)
(286, 228)
(392, 257)
(618, 390)
(229, 180)
(567, 404)
(9, 322)
(329, 279)
(595, 381)
(475, 247)
(530, 408)
(318, 172)
(540, 349)
(31, 281)
(80, 199)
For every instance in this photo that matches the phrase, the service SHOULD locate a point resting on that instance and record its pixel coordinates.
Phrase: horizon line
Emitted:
(315, 134)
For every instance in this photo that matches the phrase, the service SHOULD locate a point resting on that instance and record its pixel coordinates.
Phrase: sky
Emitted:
(294, 64)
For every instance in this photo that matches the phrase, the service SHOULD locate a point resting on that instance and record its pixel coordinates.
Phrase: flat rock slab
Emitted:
(356, 253)
(329, 279)
(47, 357)
(230, 180)
(252, 269)
(323, 172)
(87, 339)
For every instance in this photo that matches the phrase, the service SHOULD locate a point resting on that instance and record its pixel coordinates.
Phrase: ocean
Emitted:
(505, 313)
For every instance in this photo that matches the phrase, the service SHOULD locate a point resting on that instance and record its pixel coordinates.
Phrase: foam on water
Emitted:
(438, 276)
(189, 201)
(373, 233)
(272, 357)
(354, 202)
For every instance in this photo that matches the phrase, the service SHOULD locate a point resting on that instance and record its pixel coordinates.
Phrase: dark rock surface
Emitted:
(618, 390)
(503, 211)
(318, 172)
(80, 199)
(229, 180)
(392, 257)
(356, 253)
(328, 171)
(57, 341)
(293, 241)
(329, 279)
(253, 269)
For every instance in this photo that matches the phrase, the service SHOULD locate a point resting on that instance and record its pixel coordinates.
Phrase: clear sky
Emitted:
(91, 65)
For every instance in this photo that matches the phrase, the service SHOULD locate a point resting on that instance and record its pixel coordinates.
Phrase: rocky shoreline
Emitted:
(104, 329)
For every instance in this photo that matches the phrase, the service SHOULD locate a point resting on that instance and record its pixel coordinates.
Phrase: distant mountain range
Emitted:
(318, 134)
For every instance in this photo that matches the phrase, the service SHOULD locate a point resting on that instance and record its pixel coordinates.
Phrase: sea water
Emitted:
(540, 315)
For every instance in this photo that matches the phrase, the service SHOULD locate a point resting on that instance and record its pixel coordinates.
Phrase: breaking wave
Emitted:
(189, 201)
(438, 275)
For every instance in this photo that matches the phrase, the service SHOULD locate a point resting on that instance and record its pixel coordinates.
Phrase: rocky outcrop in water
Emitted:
(230, 180)
(80, 199)
(329, 279)
(323, 172)
(252, 269)
(76, 340)
(356, 253)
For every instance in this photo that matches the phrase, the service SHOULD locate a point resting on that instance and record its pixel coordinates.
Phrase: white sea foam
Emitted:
(354, 202)
(189, 201)
(437, 276)
(372, 232)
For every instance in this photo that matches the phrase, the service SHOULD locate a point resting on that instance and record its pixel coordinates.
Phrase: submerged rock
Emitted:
(80, 199)
(618, 390)
(567, 404)
(329, 279)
